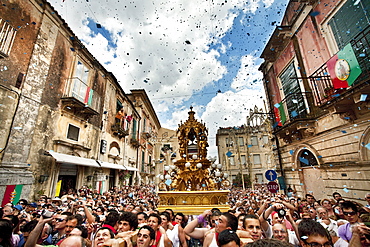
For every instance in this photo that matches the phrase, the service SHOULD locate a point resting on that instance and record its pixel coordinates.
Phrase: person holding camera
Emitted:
(277, 213)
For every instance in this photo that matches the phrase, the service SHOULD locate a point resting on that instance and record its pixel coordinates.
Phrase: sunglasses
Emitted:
(59, 220)
(349, 213)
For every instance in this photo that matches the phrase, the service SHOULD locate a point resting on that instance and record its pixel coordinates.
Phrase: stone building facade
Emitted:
(65, 121)
(141, 137)
(316, 78)
(247, 149)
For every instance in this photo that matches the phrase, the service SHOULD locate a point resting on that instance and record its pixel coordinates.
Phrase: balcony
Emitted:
(77, 108)
(300, 117)
(322, 86)
(134, 143)
(81, 100)
(146, 135)
(118, 130)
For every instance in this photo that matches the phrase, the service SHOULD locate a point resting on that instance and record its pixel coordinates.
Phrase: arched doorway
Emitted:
(311, 174)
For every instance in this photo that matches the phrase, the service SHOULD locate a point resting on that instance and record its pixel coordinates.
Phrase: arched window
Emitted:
(306, 158)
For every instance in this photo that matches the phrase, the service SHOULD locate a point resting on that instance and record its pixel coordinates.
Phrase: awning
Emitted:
(111, 165)
(70, 159)
(129, 168)
(116, 166)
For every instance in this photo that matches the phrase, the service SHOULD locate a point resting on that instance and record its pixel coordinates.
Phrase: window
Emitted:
(254, 140)
(119, 105)
(7, 36)
(241, 141)
(166, 147)
(73, 132)
(265, 139)
(232, 161)
(79, 82)
(80, 88)
(306, 158)
(243, 159)
(134, 129)
(256, 159)
(268, 158)
(259, 178)
(142, 161)
(144, 125)
(351, 19)
(293, 97)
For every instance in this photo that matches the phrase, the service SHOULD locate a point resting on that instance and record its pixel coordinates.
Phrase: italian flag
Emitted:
(12, 194)
(344, 68)
(280, 116)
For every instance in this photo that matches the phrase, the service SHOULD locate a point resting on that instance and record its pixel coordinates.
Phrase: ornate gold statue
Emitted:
(193, 182)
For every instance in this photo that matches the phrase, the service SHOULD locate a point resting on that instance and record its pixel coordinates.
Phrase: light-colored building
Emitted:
(142, 133)
(65, 122)
(247, 149)
(316, 78)
(166, 148)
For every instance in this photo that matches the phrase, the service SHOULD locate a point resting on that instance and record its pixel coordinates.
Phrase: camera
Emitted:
(47, 214)
(281, 213)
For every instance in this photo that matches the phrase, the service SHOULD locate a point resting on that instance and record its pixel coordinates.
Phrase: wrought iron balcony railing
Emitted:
(296, 108)
(321, 83)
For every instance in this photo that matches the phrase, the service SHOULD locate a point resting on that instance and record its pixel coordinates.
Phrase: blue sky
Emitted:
(203, 53)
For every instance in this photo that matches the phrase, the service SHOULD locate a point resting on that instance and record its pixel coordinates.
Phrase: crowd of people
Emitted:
(128, 216)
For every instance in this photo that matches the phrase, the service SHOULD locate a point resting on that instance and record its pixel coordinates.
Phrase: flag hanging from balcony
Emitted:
(344, 68)
(280, 116)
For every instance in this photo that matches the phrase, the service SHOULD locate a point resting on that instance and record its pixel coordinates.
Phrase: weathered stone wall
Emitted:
(8, 104)
(17, 151)
(339, 149)
(18, 15)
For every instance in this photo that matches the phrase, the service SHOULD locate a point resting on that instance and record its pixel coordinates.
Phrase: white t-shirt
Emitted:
(341, 243)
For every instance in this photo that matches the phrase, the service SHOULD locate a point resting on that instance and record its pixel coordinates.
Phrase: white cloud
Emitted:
(164, 47)
(229, 109)
(150, 38)
(248, 75)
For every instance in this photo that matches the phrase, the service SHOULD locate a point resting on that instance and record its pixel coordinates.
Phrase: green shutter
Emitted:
(293, 95)
(134, 129)
(350, 20)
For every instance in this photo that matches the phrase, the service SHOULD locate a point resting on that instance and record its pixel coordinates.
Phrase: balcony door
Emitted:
(294, 99)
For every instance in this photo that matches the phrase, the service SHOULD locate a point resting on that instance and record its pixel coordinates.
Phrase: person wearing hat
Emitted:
(31, 207)
(17, 209)
(56, 202)
(23, 203)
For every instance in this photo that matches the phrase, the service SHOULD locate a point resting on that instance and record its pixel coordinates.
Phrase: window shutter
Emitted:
(350, 20)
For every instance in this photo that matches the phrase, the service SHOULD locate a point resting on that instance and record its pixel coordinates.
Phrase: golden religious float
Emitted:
(193, 183)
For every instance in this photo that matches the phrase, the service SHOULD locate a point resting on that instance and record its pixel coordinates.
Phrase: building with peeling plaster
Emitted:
(147, 130)
(316, 79)
(247, 149)
(65, 122)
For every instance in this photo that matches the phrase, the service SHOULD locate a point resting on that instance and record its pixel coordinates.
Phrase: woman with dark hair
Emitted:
(5, 233)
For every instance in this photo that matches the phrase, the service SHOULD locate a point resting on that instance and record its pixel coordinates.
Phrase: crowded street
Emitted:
(184, 123)
(128, 216)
